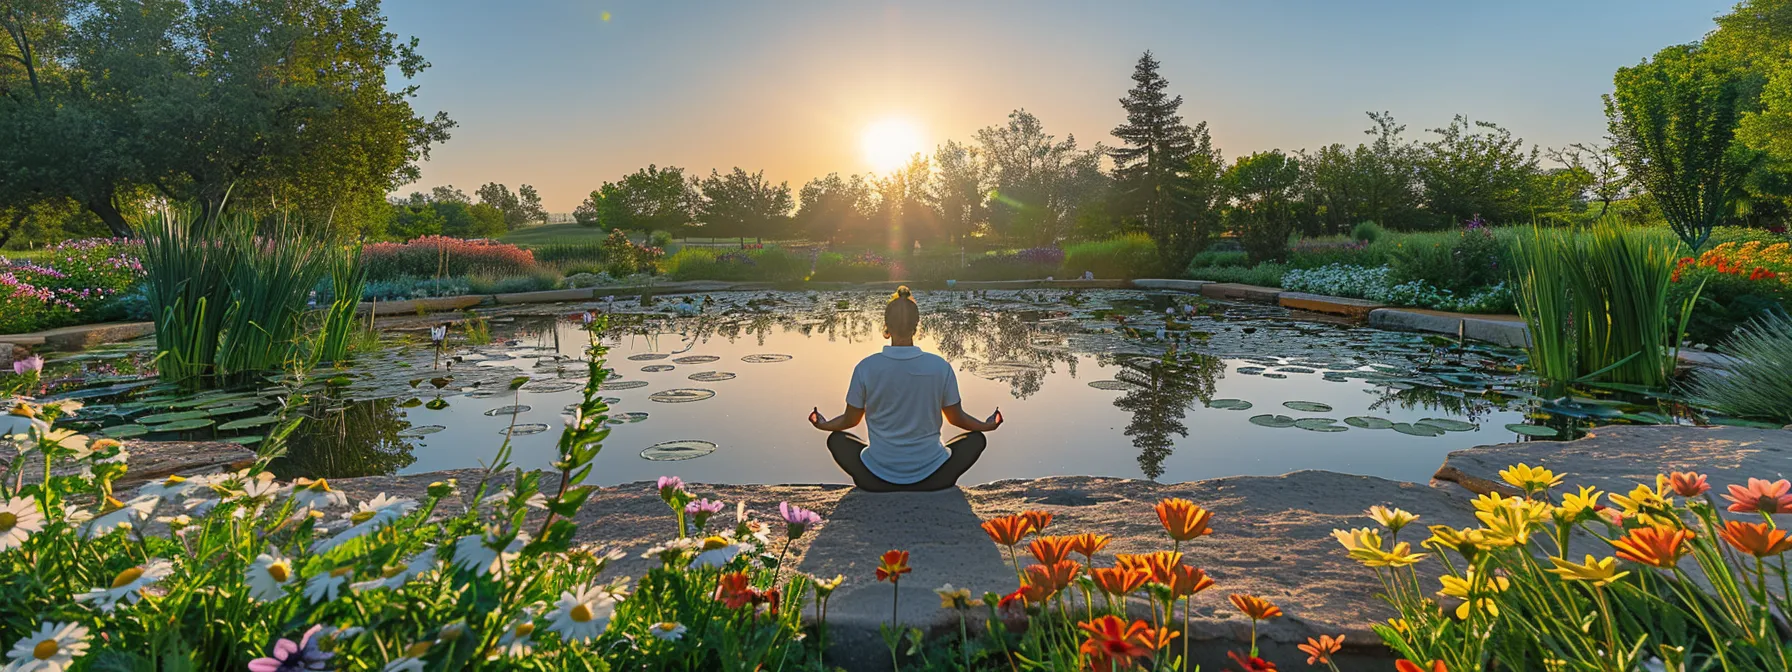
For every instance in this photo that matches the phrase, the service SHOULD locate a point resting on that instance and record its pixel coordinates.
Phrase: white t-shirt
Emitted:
(902, 390)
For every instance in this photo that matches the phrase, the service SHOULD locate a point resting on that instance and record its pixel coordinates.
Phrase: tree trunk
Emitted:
(108, 213)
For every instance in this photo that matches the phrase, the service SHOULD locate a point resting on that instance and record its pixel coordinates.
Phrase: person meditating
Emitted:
(902, 393)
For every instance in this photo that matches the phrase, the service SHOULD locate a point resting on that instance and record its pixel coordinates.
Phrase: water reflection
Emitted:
(1163, 390)
(344, 440)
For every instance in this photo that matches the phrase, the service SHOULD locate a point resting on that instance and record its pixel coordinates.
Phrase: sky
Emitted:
(567, 94)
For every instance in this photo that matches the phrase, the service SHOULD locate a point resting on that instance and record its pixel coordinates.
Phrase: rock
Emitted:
(1327, 304)
(1506, 330)
(1618, 457)
(155, 460)
(1179, 285)
(84, 336)
(1238, 292)
(549, 296)
(414, 306)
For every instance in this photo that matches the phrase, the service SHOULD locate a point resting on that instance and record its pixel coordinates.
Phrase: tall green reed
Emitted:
(272, 286)
(1596, 303)
(188, 261)
(348, 280)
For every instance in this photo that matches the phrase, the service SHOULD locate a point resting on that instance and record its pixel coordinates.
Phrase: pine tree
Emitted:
(1151, 167)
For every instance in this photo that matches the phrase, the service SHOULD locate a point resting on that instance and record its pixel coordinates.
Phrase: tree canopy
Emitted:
(741, 204)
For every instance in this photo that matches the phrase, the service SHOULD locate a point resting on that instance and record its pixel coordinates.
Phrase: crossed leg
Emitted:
(965, 449)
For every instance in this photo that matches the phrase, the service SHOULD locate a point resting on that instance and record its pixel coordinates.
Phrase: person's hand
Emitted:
(994, 421)
(815, 417)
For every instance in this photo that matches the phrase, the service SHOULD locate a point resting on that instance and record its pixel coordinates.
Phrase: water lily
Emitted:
(127, 586)
(52, 648)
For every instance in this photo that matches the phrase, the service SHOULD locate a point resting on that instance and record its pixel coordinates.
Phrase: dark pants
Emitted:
(965, 448)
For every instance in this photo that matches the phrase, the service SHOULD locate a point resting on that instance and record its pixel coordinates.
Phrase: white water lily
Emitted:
(53, 648)
(269, 576)
(326, 586)
(120, 515)
(127, 586)
(19, 519)
(582, 615)
(472, 553)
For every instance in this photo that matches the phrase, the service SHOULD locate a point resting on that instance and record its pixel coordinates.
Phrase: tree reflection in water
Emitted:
(359, 439)
(1162, 392)
(1007, 346)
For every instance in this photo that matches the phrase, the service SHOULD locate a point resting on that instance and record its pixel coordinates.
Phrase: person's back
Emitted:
(902, 390)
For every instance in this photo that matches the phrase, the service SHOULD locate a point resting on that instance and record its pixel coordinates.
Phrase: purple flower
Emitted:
(32, 364)
(797, 520)
(293, 657)
(670, 485)
(701, 510)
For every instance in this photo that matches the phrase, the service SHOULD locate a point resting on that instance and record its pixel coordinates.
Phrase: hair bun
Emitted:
(903, 293)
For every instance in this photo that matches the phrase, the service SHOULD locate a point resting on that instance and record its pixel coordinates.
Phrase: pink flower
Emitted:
(32, 364)
(290, 656)
(1761, 496)
(797, 520)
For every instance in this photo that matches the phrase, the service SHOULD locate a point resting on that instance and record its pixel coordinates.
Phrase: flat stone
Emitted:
(442, 304)
(1092, 283)
(1505, 330)
(1327, 304)
(155, 460)
(1236, 292)
(1170, 283)
(547, 296)
(1618, 457)
(83, 336)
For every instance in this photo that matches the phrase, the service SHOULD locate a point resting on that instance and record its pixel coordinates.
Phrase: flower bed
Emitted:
(1377, 284)
(1736, 281)
(76, 282)
(442, 256)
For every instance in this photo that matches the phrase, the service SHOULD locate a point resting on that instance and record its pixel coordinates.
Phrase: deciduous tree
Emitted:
(741, 204)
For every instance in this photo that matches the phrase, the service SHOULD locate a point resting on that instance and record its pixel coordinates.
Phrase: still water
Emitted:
(1108, 383)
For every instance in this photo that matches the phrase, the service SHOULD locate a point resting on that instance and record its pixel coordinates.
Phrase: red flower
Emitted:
(1050, 550)
(1119, 581)
(894, 564)
(1251, 663)
(1007, 530)
(1409, 666)
(1058, 575)
(735, 591)
(1654, 546)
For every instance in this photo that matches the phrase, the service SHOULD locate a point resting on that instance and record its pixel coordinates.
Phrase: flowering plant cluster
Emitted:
(442, 256)
(1377, 284)
(1667, 581)
(73, 284)
(626, 257)
(1754, 260)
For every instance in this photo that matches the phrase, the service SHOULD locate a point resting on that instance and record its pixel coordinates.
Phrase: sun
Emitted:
(889, 143)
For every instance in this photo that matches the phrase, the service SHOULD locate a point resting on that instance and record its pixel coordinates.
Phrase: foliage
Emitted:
(1380, 284)
(1471, 259)
(1039, 183)
(1030, 263)
(1735, 283)
(560, 252)
(904, 214)
(1474, 170)
(626, 257)
(533, 281)
(518, 209)
(769, 264)
(1129, 256)
(1759, 383)
(1264, 212)
(348, 281)
(1597, 304)
(271, 284)
(405, 287)
(1516, 597)
(1675, 119)
(1373, 182)
(1316, 252)
(832, 207)
(1236, 258)
(740, 204)
(261, 101)
(650, 199)
(442, 256)
(1151, 169)
(862, 267)
(189, 261)
(1367, 232)
(958, 188)
(1262, 275)
(72, 282)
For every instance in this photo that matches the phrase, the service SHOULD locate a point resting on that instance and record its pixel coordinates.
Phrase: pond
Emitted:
(715, 388)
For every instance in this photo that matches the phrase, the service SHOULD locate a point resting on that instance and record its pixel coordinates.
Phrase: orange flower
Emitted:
(1037, 593)
(1761, 497)
(1049, 550)
(1656, 546)
(1159, 564)
(1185, 581)
(1088, 544)
(1251, 663)
(894, 565)
(1756, 539)
(1409, 666)
(1119, 581)
(1320, 650)
(1255, 607)
(1058, 575)
(1688, 484)
(1039, 519)
(735, 591)
(1182, 519)
(1112, 640)
(1007, 530)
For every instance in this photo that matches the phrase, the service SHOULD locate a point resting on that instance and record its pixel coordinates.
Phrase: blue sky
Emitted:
(550, 93)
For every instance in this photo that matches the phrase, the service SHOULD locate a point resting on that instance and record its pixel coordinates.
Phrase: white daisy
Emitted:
(582, 616)
(412, 660)
(19, 518)
(719, 551)
(75, 515)
(668, 631)
(515, 642)
(53, 648)
(167, 488)
(473, 554)
(326, 586)
(671, 551)
(317, 494)
(127, 586)
(120, 515)
(269, 576)
(22, 420)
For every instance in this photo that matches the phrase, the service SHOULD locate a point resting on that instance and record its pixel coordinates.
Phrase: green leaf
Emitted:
(1272, 420)
(1538, 431)
(1368, 422)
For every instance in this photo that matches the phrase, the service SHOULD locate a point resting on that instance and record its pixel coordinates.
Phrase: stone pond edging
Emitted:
(1272, 534)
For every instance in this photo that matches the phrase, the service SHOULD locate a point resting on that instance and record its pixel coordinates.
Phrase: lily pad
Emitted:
(1418, 430)
(243, 440)
(1369, 422)
(420, 430)
(1308, 406)
(683, 449)
(657, 368)
(647, 356)
(1275, 376)
(1272, 420)
(508, 410)
(696, 359)
(1230, 404)
(1319, 425)
(765, 358)
(162, 418)
(124, 431)
(711, 376)
(681, 395)
(245, 423)
(1249, 370)
(1450, 425)
(524, 429)
(1111, 385)
(627, 418)
(436, 404)
(547, 386)
(183, 425)
(613, 385)
(1538, 431)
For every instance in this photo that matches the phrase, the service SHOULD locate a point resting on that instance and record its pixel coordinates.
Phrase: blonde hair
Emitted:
(901, 316)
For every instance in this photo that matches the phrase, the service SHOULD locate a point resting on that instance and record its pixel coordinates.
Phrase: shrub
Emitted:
(1265, 275)
(1376, 283)
(1130, 256)
(1461, 262)
(562, 252)
(1735, 283)
(865, 266)
(1234, 258)
(766, 265)
(625, 258)
(441, 256)
(1759, 385)
(1264, 237)
(1316, 252)
(583, 280)
(1031, 263)
(72, 282)
(539, 280)
(403, 288)
(1367, 232)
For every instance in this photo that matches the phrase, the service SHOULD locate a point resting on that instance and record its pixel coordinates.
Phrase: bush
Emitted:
(1376, 283)
(539, 280)
(1461, 262)
(441, 256)
(563, 252)
(1736, 282)
(865, 266)
(766, 265)
(1316, 252)
(75, 282)
(625, 258)
(1028, 264)
(1367, 232)
(1126, 257)
(404, 288)
(1264, 237)
(1233, 258)
(1760, 384)
(1265, 275)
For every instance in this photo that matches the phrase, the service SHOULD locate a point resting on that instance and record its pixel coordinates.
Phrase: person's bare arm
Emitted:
(955, 414)
(846, 420)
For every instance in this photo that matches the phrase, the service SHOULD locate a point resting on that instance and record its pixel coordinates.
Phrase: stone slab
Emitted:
(1171, 283)
(548, 296)
(1618, 457)
(1238, 292)
(155, 460)
(412, 306)
(82, 336)
(1506, 330)
(1327, 304)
